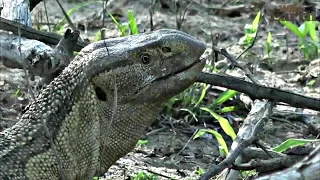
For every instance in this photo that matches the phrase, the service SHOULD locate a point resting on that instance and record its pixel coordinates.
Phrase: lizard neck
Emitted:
(60, 107)
(121, 129)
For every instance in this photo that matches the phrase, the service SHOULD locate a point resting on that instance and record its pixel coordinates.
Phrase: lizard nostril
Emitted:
(166, 49)
(101, 94)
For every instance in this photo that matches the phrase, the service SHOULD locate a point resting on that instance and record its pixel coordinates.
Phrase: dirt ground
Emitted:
(170, 153)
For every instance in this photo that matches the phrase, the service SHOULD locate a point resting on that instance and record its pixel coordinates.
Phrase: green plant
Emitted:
(144, 176)
(306, 33)
(248, 174)
(97, 36)
(142, 142)
(268, 44)
(224, 123)
(292, 143)
(250, 31)
(311, 83)
(193, 104)
(200, 171)
(188, 99)
(131, 24)
(226, 95)
(17, 93)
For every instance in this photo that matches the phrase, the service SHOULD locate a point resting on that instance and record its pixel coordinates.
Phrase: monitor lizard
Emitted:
(99, 106)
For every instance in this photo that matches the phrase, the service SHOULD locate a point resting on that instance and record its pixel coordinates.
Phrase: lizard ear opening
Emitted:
(100, 94)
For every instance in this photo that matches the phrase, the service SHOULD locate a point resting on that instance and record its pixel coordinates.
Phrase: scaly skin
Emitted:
(99, 106)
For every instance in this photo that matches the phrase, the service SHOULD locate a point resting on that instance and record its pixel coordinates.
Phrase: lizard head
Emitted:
(150, 67)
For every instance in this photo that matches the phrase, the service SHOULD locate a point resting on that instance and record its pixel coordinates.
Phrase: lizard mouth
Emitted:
(198, 61)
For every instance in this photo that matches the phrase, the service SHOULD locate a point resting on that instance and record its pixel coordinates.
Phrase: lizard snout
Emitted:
(197, 46)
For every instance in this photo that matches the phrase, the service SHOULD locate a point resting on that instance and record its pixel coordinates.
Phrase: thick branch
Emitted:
(259, 91)
(307, 169)
(30, 33)
(38, 58)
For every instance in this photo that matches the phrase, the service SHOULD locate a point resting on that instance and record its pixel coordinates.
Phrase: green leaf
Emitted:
(227, 109)
(248, 174)
(311, 26)
(311, 18)
(248, 29)
(226, 95)
(292, 143)
(140, 175)
(218, 136)
(122, 28)
(243, 41)
(268, 43)
(293, 28)
(203, 93)
(200, 171)
(303, 29)
(97, 36)
(256, 21)
(171, 103)
(311, 83)
(224, 123)
(142, 142)
(144, 176)
(132, 23)
(17, 93)
(269, 39)
(306, 48)
(189, 111)
(200, 133)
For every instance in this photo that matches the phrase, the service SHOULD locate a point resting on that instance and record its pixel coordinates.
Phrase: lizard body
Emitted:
(99, 106)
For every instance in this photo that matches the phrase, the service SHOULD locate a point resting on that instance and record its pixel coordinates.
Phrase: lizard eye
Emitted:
(101, 94)
(145, 58)
(166, 49)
